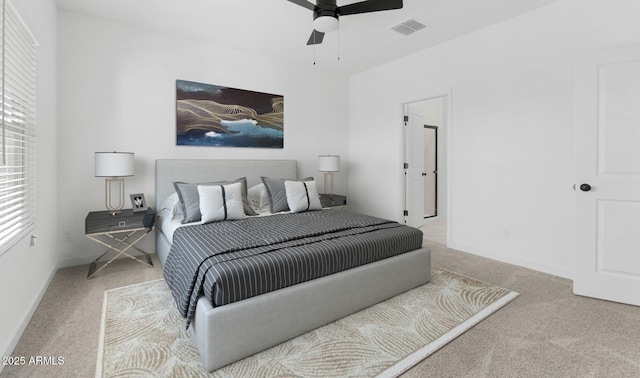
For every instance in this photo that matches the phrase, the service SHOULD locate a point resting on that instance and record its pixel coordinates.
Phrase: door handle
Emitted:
(424, 174)
(585, 187)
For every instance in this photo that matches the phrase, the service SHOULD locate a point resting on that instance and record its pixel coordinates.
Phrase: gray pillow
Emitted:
(277, 193)
(190, 199)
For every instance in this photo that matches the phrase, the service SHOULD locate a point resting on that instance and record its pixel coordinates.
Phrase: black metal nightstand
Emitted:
(125, 228)
(336, 201)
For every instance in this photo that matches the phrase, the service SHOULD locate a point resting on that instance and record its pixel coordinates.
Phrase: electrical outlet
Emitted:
(506, 233)
(67, 236)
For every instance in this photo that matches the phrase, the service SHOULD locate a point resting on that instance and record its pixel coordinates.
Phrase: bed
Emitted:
(227, 333)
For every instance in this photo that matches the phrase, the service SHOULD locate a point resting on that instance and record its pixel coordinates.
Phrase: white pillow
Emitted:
(302, 196)
(259, 198)
(172, 205)
(221, 202)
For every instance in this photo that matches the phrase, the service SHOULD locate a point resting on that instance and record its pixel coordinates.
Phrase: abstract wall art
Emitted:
(213, 115)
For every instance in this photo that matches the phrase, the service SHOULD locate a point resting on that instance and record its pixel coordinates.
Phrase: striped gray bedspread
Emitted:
(233, 260)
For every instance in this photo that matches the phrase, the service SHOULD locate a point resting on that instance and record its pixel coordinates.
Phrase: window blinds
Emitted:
(18, 161)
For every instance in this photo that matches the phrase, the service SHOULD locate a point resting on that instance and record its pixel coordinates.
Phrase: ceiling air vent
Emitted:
(409, 26)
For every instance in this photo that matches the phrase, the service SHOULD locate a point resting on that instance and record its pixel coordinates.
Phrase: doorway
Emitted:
(425, 166)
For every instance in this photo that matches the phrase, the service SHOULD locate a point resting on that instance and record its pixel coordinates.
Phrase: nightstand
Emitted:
(336, 201)
(118, 233)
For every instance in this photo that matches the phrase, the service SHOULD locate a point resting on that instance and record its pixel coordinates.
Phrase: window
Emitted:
(18, 160)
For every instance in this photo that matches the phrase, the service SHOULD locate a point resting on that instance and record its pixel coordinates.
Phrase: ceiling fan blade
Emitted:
(369, 6)
(316, 38)
(304, 3)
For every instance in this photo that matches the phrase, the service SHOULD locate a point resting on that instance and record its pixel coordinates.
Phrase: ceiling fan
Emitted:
(326, 13)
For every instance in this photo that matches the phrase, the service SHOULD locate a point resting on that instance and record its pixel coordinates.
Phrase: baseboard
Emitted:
(85, 260)
(76, 261)
(515, 260)
(18, 335)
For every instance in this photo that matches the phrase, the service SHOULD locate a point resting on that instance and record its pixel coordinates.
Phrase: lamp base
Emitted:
(114, 210)
(328, 184)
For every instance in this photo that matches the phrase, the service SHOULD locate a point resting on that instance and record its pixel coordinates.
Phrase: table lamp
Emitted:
(114, 166)
(328, 164)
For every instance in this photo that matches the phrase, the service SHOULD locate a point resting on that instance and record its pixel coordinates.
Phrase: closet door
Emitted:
(607, 91)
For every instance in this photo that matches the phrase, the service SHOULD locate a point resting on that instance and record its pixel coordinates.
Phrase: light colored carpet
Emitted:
(547, 332)
(142, 333)
(435, 230)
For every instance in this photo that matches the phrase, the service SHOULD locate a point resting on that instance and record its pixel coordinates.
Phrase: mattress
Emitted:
(234, 260)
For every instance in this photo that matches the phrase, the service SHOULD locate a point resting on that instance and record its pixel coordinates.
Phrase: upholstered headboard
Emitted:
(207, 170)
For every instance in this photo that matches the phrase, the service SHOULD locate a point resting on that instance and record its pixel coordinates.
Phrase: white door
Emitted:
(607, 90)
(414, 180)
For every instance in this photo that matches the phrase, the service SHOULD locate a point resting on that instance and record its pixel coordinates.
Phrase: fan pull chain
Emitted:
(314, 47)
(338, 44)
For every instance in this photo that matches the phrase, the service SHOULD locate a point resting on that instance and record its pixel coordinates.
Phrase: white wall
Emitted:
(25, 272)
(117, 92)
(511, 132)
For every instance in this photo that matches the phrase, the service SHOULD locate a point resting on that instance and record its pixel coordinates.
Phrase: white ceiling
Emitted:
(280, 29)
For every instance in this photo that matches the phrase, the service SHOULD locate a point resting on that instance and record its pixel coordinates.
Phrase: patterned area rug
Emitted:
(142, 333)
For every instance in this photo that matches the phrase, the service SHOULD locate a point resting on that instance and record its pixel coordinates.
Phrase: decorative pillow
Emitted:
(190, 202)
(277, 193)
(221, 202)
(302, 196)
(259, 198)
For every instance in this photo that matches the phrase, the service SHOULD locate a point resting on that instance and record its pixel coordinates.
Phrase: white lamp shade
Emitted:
(114, 164)
(325, 24)
(329, 163)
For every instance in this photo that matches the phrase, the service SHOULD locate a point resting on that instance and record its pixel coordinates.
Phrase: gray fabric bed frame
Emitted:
(229, 333)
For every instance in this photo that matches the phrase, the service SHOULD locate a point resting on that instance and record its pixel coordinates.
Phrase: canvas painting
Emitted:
(212, 115)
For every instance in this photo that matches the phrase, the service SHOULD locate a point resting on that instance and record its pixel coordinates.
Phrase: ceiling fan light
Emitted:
(325, 24)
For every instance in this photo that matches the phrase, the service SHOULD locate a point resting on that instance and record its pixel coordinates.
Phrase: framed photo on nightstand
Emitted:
(138, 203)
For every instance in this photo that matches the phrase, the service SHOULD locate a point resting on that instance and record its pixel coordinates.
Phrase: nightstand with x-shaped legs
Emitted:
(119, 233)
